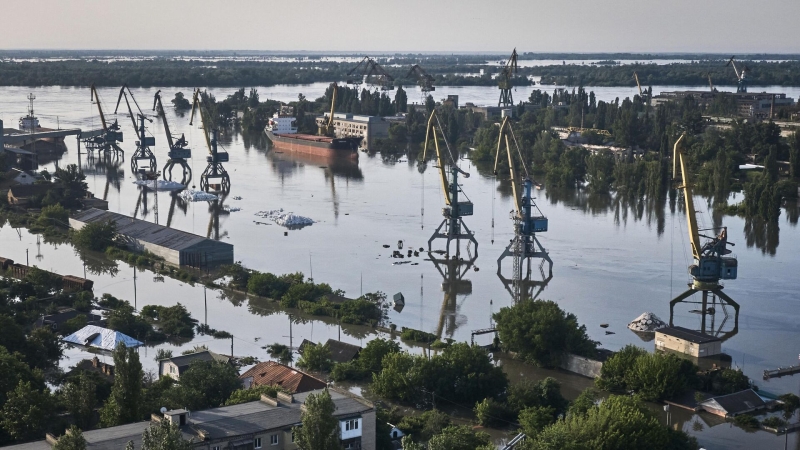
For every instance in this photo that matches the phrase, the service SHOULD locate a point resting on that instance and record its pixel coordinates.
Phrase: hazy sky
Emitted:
(728, 26)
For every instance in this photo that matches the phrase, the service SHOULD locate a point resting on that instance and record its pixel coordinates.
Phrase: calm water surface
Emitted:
(613, 259)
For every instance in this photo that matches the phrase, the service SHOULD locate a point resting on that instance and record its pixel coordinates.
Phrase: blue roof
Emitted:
(99, 337)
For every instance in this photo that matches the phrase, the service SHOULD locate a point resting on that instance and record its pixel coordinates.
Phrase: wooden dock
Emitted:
(781, 372)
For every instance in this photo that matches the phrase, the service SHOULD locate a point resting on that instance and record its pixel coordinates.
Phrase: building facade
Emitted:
(369, 128)
(688, 342)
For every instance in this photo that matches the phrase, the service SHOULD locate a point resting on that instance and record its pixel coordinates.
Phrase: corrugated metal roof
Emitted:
(94, 336)
(687, 335)
(271, 373)
(145, 231)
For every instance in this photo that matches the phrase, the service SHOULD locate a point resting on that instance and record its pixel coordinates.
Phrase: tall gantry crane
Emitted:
(178, 151)
(370, 72)
(505, 81)
(741, 76)
(711, 263)
(105, 138)
(455, 209)
(326, 128)
(214, 171)
(143, 158)
(424, 80)
(528, 220)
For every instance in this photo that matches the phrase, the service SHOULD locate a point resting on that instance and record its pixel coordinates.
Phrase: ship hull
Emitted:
(315, 145)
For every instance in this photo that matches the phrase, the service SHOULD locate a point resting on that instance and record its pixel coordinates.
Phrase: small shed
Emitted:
(102, 338)
(177, 247)
(689, 342)
(732, 405)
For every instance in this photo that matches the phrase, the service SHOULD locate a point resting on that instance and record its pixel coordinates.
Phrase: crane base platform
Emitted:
(718, 298)
(454, 227)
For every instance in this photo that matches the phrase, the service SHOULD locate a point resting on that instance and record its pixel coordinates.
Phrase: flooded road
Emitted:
(613, 259)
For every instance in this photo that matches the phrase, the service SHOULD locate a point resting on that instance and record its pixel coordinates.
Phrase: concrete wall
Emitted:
(581, 365)
(368, 431)
(667, 342)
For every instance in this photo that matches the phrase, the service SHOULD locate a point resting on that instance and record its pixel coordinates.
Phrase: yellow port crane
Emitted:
(178, 151)
(711, 261)
(528, 220)
(143, 160)
(639, 85)
(455, 210)
(214, 176)
(505, 83)
(327, 128)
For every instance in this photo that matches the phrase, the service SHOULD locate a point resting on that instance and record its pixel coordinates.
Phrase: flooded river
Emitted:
(613, 259)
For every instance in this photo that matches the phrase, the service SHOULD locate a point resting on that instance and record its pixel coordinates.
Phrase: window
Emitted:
(257, 443)
(216, 447)
(171, 369)
(273, 440)
(351, 424)
(292, 436)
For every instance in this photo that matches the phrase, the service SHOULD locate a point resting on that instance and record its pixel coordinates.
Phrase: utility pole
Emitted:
(27, 262)
(231, 346)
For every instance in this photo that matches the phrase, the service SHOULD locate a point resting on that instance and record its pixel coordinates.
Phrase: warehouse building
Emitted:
(688, 342)
(178, 248)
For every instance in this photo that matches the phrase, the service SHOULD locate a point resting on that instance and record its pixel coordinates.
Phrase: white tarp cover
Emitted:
(99, 337)
(647, 323)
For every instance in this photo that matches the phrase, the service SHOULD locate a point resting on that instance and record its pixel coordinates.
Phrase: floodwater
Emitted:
(613, 259)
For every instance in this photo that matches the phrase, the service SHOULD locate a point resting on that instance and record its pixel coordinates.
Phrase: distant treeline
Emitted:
(682, 74)
(449, 70)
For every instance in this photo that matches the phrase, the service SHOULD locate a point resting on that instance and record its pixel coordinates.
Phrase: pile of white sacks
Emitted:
(190, 195)
(647, 323)
(285, 218)
(161, 185)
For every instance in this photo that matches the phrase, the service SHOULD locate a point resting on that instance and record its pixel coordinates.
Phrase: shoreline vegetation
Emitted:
(234, 69)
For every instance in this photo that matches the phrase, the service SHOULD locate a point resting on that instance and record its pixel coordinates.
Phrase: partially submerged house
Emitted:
(271, 373)
(732, 405)
(342, 352)
(175, 366)
(56, 320)
(102, 338)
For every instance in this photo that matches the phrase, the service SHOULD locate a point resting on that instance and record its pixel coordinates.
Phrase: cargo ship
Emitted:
(282, 132)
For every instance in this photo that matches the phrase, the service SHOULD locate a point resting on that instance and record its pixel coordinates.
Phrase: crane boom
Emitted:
(504, 126)
(636, 76)
(160, 111)
(197, 105)
(691, 217)
(328, 129)
(96, 98)
(431, 133)
(710, 84)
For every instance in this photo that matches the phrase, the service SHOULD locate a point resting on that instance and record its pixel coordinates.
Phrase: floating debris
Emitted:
(610, 332)
(161, 185)
(397, 263)
(647, 323)
(238, 197)
(190, 195)
(603, 325)
(386, 245)
(285, 218)
(231, 209)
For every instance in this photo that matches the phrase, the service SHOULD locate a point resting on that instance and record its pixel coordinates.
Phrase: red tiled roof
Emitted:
(275, 374)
